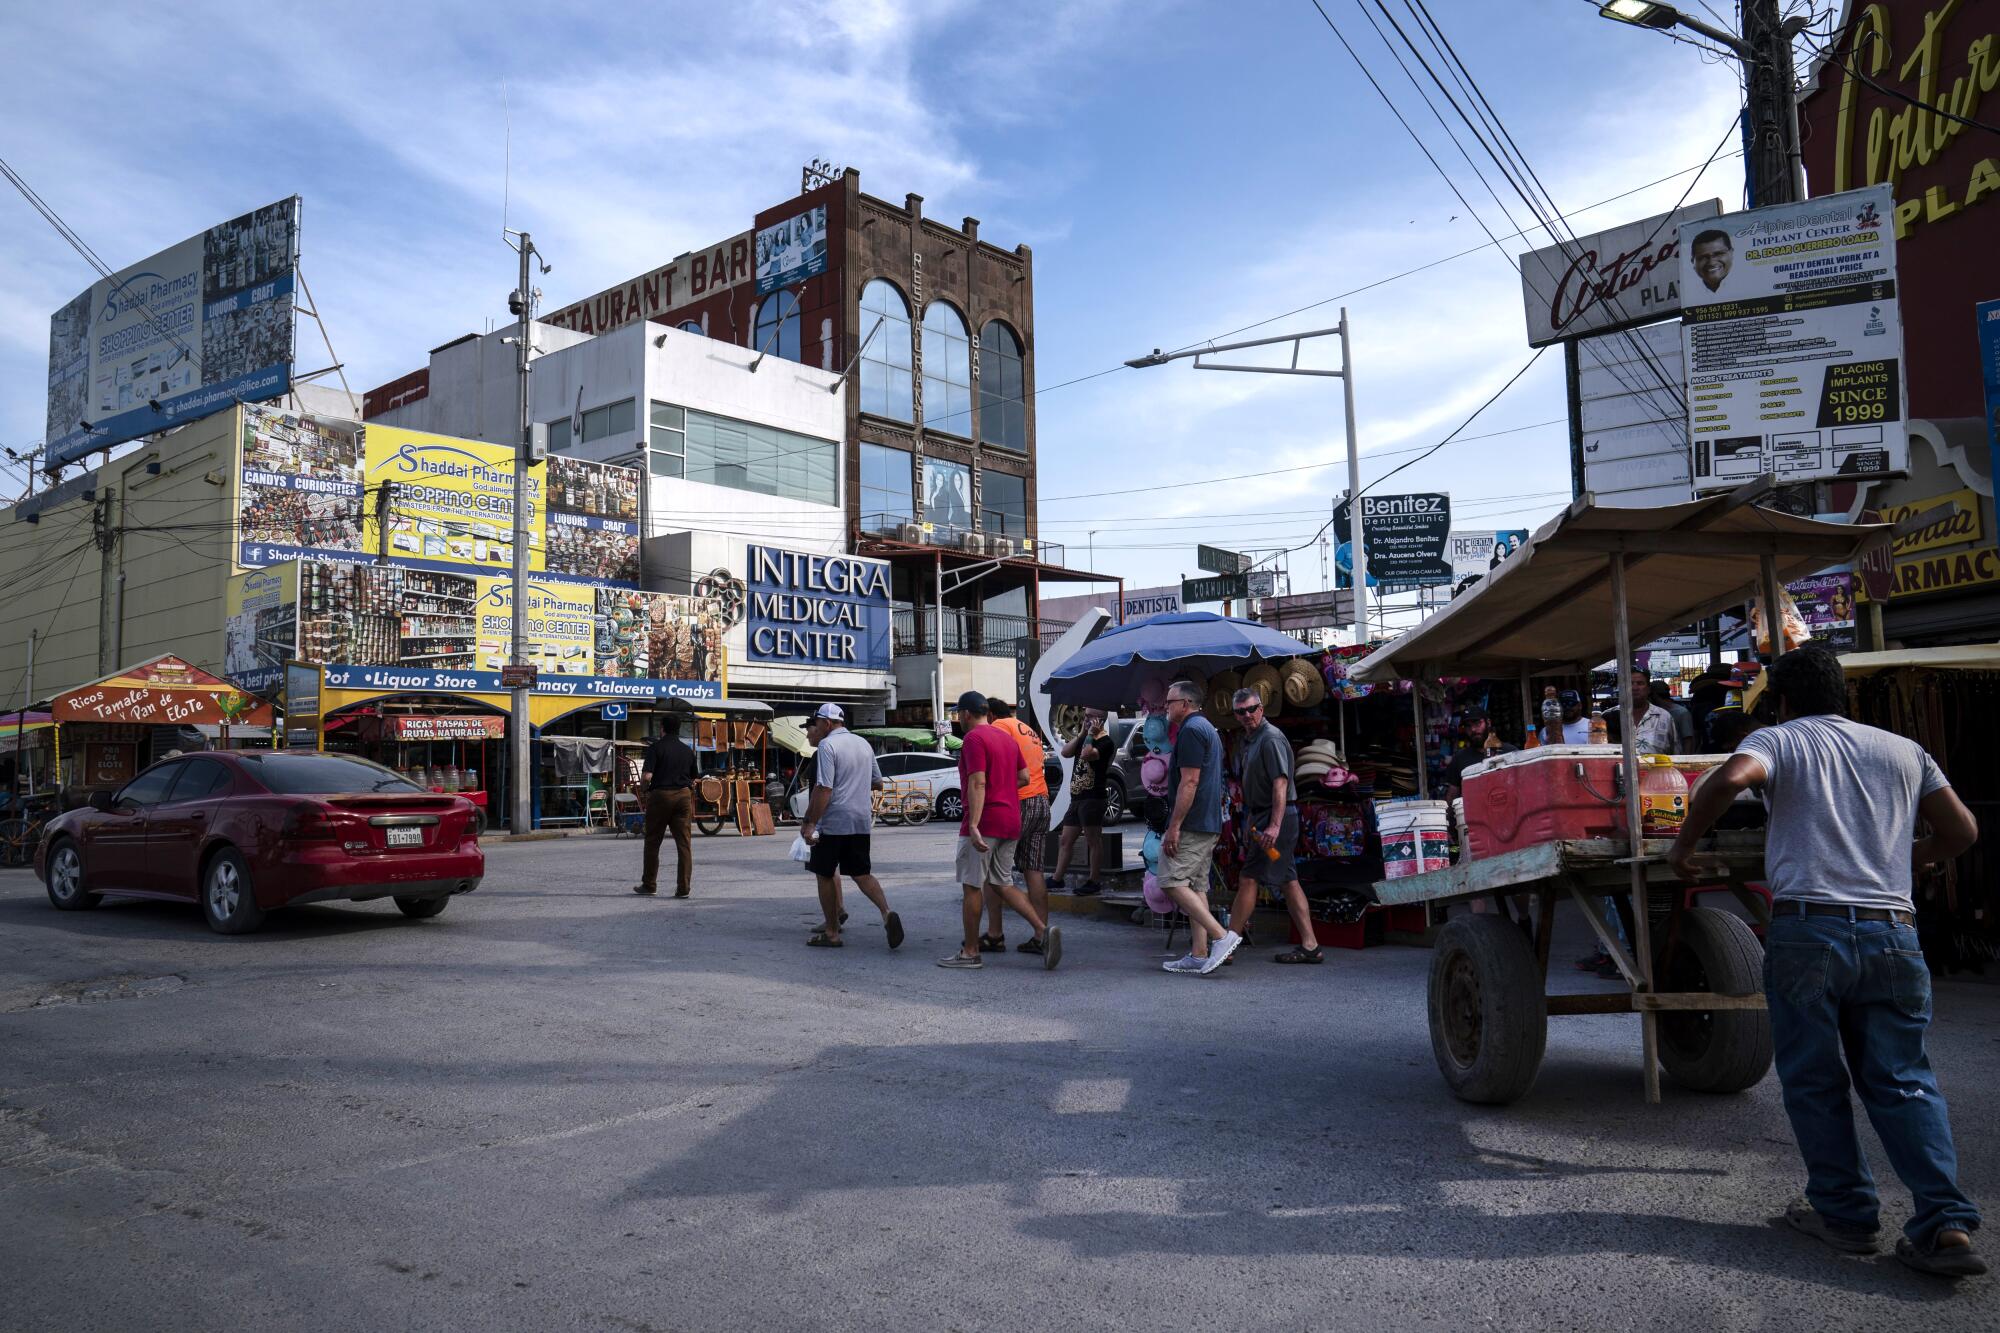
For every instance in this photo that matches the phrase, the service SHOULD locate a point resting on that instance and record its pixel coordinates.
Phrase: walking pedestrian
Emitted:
(1270, 825)
(668, 776)
(1188, 847)
(1031, 845)
(991, 772)
(839, 820)
(1844, 974)
(1090, 780)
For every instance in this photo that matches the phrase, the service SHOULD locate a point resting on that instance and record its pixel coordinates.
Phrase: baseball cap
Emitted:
(972, 701)
(831, 712)
(1569, 697)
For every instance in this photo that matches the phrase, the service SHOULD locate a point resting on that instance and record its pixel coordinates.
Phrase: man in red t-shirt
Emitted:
(991, 772)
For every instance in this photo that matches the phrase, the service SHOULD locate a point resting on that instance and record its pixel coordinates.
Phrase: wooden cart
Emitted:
(1489, 1000)
(1584, 589)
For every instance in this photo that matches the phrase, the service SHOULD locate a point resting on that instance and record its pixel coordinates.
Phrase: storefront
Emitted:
(107, 731)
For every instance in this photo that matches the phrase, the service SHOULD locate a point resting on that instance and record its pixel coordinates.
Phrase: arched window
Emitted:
(1003, 408)
(885, 362)
(692, 326)
(778, 325)
(947, 371)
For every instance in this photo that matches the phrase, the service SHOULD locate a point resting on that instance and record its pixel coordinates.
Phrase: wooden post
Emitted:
(1767, 570)
(1642, 930)
(1423, 766)
(1530, 720)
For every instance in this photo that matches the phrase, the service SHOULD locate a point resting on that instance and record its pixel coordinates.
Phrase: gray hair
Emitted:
(1247, 695)
(1187, 692)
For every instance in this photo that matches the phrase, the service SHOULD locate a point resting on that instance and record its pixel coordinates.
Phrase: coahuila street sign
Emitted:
(1221, 588)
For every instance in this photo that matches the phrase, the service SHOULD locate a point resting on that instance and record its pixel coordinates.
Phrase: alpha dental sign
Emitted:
(817, 610)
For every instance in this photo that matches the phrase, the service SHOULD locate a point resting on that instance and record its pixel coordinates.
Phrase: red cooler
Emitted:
(1548, 794)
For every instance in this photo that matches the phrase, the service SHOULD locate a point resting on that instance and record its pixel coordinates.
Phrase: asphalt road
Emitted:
(559, 1105)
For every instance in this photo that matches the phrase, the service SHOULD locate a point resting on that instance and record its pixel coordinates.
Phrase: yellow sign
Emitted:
(261, 631)
(1946, 573)
(448, 500)
(1953, 521)
(561, 626)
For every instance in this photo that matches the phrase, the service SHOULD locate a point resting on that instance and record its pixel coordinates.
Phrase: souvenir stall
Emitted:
(27, 756)
(441, 743)
(109, 730)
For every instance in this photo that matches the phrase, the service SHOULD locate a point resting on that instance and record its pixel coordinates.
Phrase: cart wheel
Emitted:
(916, 808)
(1489, 1018)
(1727, 1050)
(709, 826)
(889, 811)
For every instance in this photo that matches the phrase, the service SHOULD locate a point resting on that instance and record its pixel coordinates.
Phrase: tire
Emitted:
(423, 907)
(916, 808)
(950, 806)
(1489, 1017)
(709, 827)
(1114, 802)
(1727, 1050)
(228, 899)
(890, 812)
(65, 884)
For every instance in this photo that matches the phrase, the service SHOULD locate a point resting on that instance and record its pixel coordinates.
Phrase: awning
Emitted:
(163, 692)
(1970, 657)
(1548, 608)
(714, 707)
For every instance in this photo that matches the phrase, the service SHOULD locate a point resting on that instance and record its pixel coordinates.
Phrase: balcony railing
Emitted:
(1002, 534)
(970, 633)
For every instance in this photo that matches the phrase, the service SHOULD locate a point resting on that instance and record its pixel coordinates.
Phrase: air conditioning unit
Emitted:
(974, 542)
(912, 533)
(1002, 546)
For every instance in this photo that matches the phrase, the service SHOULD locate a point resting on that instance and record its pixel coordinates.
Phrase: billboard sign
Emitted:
(261, 632)
(791, 250)
(1793, 339)
(1615, 279)
(1826, 603)
(1405, 537)
(817, 610)
(1632, 429)
(180, 335)
(1475, 554)
(1988, 315)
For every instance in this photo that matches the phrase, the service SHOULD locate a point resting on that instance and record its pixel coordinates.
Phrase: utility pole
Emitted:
(519, 777)
(1777, 169)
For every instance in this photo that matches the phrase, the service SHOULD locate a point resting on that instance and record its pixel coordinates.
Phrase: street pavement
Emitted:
(560, 1105)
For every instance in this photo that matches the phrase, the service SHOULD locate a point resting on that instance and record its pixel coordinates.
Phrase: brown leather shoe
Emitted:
(641, 888)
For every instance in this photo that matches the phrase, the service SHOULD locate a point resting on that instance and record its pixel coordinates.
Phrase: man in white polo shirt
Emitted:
(839, 821)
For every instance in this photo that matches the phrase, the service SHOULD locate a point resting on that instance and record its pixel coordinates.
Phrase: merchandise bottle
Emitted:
(1552, 715)
(1599, 733)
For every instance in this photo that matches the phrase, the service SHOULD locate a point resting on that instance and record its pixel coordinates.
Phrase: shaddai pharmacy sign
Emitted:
(817, 610)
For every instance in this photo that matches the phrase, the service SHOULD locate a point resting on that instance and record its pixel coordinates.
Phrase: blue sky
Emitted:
(1181, 169)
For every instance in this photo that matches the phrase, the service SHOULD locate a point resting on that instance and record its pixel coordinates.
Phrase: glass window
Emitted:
(324, 774)
(1003, 409)
(761, 459)
(947, 371)
(668, 442)
(601, 423)
(885, 361)
(1003, 503)
(692, 326)
(778, 325)
(893, 765)
(948, 494)
(559, 435)
(199, 778)
(150, 787)
(885, 487)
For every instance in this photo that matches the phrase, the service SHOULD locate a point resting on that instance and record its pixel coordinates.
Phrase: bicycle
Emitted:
(21, 834)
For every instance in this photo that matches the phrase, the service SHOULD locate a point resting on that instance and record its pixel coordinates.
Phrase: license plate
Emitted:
(405, 837)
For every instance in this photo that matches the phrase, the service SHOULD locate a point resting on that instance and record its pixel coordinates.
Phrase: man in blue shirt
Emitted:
(1188, 849)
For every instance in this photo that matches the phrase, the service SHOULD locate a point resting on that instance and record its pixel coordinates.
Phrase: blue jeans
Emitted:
(1849, 1003)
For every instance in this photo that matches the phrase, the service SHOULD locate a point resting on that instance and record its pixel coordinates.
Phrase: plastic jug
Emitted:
(1663, 797)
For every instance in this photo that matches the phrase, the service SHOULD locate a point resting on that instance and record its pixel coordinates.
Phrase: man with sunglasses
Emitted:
(1188, 848)
(1270, 824)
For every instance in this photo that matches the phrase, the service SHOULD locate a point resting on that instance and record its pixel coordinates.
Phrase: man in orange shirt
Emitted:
(1034, 830)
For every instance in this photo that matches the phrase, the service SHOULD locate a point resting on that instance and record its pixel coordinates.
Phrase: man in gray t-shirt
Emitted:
(1270, 833)
(837, 823)
(1187, 848)
(1844, 974)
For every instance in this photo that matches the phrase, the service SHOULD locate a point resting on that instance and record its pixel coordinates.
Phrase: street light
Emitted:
(1346, 377)
(1645, 14)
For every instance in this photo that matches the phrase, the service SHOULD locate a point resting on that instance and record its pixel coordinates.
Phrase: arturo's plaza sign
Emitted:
(1615, 279)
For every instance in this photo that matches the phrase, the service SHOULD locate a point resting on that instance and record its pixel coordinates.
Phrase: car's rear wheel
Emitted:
(951, 806)
(1114, 803)
(422, 907)
(227, 899)
(66, 879)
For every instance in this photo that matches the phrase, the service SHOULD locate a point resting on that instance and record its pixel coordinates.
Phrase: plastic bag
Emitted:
(801, 849)
(1797, 633)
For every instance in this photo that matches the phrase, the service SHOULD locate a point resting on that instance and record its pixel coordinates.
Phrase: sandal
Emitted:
(821, 940)
(993, 944)
(1298, 953)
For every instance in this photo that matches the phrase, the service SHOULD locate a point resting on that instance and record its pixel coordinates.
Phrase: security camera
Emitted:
(514, 302)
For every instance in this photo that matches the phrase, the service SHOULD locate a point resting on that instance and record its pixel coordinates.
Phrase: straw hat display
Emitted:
(1303, 685)
(1263, 678)
(1222, 687)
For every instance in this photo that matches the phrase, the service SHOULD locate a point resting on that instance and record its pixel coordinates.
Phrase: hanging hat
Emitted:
(1263, 678)
(1222, 687)
(1322, 751)
(1303, 686)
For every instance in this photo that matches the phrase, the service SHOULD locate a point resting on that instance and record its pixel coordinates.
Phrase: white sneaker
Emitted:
(1185, 963)
(1218, 952)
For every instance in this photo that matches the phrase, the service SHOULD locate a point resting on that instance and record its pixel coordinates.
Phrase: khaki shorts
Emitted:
(995, 866)
(1188, 866)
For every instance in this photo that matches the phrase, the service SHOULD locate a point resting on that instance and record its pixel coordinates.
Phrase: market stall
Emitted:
(441, 743)
(1587, 586)
(110, 729)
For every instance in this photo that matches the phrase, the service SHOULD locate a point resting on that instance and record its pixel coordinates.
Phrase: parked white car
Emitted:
(938, 774)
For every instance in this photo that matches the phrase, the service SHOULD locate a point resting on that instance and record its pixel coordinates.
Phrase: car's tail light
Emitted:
(310, 822)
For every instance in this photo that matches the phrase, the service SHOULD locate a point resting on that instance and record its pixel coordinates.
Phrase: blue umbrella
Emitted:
(1107, 671)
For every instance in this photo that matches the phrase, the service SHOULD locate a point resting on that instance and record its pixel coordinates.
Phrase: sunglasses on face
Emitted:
(1249, 709)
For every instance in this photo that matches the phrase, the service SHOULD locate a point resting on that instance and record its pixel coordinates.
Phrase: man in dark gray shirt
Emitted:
(1844, 974)
(1270, 833)
(1187, 848)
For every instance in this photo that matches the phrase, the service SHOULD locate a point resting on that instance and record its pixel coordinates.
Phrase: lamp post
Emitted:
(1346, 377)
(1777, 170)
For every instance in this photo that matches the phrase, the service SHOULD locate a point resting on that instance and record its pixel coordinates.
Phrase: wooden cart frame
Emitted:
(1562, 604)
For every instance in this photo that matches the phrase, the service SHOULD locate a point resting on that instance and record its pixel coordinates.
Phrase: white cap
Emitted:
(831, 712)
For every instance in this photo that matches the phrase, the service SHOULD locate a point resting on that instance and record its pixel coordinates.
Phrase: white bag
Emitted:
(801, 849)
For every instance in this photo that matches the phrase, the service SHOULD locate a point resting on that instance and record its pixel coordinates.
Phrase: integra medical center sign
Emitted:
(817, 610)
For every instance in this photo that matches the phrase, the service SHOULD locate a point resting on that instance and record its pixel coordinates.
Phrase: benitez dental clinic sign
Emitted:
(817, 610)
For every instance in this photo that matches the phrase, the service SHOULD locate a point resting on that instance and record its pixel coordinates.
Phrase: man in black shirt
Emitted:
(668, 777)
(1090, 780)
(1476, 727)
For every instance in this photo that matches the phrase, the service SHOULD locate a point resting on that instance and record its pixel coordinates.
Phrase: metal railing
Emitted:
(995, 523)
(966, 633)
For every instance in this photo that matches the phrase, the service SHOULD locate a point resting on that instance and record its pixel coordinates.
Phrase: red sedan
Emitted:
(247, 831)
